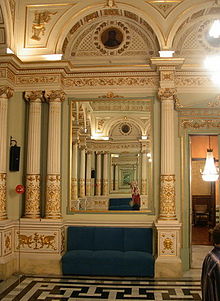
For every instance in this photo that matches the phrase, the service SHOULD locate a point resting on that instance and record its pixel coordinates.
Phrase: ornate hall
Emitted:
(109, 115)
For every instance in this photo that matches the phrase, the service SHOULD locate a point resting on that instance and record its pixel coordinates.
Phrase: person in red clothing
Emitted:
(136, 200)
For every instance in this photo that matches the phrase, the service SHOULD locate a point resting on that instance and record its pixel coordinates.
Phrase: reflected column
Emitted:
(116, 177)
(88, 173)
(74, 180)
(82, 171)
(112, 177)
(32, 195)
(53, 190)
(105, 174)
(144, 172)
(98, 178)
(5, 94)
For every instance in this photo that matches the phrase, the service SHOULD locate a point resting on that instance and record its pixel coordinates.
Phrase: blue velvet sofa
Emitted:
(120, 204)
(109, 251)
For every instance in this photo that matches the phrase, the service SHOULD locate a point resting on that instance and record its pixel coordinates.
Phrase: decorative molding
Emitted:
(110, 95)
(111, 81)
(197, 124)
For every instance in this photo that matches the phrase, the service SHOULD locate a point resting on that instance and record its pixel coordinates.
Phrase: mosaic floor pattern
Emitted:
(29, 288)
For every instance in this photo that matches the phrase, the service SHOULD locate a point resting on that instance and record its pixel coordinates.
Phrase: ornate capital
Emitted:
(33, 96)
(6, 92)
(166, 93)
(55, 96)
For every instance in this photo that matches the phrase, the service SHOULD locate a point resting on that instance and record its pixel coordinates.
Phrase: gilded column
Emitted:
(5, 94)
(53, 190)
(144, 172)
(98, 177)
(105, 175)
(74, 182)
(112, 177)
(168, 260)
(167, 178)
(32, 195)
(88, 173)
(116, 177)
(82, 172)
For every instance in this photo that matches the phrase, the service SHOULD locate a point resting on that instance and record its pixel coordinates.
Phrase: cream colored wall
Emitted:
(16, 129)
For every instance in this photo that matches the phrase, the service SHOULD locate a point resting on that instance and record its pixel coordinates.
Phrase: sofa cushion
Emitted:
(107, 238)
(138, 239)
(80, 238)
(77, 262)
(138, 264)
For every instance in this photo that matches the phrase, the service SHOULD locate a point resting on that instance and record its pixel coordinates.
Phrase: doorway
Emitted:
(204, 197)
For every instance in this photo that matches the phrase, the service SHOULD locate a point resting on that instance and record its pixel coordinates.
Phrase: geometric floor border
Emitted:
(30, 288)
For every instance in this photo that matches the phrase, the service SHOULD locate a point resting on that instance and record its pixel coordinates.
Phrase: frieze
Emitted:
(199, 124)
(37, 241)
(106, 146)
(198, 81)
(111, 81)
(37, 79)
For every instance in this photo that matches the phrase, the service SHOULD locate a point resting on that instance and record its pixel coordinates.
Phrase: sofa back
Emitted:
(110, 238)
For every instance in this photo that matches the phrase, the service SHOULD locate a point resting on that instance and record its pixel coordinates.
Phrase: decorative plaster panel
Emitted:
(40, 21)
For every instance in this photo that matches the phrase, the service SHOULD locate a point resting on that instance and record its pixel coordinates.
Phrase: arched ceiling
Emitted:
(75, 29)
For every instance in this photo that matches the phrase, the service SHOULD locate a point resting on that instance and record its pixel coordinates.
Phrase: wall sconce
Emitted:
(210, 172)
(14, 155)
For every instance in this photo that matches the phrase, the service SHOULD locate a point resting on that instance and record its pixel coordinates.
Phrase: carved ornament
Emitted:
(168, 243)
(39, 22)
(199, 124)
(34, 96)
(53, 197)
(6, 92)
(55, 96)
(36, 241)
(3, 214)
(32, 196)
(167, 197)
(167, 93)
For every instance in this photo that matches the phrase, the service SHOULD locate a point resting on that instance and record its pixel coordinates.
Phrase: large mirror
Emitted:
(111, 155)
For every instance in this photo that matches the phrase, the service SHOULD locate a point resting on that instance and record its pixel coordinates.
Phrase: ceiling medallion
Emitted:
(112, 37)
(125, 128)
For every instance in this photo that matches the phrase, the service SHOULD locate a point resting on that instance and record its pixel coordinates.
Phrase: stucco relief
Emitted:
(167, 242)
(37, 241)
(7, 243)
(167, 197)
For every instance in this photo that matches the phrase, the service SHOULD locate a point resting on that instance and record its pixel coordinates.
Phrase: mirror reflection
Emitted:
(111, 155)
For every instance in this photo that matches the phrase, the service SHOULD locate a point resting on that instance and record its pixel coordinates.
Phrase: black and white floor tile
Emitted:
(30, 288)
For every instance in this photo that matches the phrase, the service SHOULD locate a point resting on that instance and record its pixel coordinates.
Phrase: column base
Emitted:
(168, 268)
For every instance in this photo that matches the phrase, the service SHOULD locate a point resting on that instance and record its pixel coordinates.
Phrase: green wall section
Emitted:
(16, 129)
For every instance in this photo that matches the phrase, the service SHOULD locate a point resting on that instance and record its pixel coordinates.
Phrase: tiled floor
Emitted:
(30, 288)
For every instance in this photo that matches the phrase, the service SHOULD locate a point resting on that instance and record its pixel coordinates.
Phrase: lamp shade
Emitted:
(210, 172)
